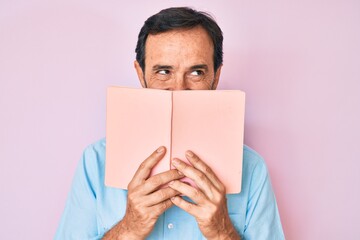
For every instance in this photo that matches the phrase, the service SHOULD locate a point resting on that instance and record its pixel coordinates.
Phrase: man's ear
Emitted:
(216, 78)
(140, 74)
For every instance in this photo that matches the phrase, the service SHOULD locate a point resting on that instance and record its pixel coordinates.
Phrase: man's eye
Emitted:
(163, 72)
(197, 73)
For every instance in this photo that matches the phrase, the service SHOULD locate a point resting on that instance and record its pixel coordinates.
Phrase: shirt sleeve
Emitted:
(79, 220)
(262, 218)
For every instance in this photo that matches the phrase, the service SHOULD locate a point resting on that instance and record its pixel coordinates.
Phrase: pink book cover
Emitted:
(208, 122)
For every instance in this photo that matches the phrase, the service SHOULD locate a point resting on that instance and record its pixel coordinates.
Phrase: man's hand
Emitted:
(146, 199)
(209, 209)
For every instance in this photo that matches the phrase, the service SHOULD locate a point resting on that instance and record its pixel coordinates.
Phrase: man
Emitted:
(177, 49)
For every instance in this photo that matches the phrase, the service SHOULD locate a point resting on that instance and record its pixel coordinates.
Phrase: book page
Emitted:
(211, 124)
(138, 122)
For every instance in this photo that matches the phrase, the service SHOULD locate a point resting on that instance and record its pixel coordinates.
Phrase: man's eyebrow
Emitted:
(199, 66)
(160, 67)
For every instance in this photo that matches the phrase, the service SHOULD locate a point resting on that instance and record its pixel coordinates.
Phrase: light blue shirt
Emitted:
(92, 208)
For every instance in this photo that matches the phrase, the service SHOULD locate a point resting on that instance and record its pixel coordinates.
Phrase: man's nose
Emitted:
(180, 83)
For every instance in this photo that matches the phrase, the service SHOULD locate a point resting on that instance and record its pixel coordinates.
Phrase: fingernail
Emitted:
(175, 161)
(172, 199)
(171, 183)
(180, 173)
(160, 149)
(189, 153)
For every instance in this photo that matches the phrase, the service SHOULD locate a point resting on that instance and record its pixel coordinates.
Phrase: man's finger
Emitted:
(197, 176)
(200, 165)
(193, 193)
(158, 209)
(188, 207)
(160, 196)
(144, 170)
(158, 180)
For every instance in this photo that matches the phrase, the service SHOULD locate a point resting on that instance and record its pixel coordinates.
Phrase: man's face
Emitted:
(179, 60)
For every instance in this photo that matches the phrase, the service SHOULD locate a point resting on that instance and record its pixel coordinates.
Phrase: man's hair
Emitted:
(180, 18)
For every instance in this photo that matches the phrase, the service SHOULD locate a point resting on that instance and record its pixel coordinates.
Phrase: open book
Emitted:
(208, 122)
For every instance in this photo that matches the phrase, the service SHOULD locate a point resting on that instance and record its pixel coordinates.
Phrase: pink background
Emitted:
(298, 62)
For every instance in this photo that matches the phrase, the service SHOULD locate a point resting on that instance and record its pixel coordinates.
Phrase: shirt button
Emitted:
(170, 226)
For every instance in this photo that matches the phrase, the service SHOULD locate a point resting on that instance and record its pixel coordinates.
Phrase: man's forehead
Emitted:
(194, 41)
(185, 34)
(183, 48)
